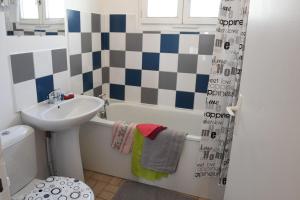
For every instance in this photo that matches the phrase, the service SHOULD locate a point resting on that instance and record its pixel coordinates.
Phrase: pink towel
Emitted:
(122, 139)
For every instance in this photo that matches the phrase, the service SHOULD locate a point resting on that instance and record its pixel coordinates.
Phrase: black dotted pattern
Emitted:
(60, 188)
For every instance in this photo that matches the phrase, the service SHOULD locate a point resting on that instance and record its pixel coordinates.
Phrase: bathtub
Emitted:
(97, 154)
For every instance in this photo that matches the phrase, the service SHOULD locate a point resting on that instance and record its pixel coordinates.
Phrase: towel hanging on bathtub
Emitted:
(122, 139)
(163, 153)
(136, 167)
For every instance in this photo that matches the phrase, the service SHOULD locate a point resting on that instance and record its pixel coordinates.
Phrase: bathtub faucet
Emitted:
(102, 113)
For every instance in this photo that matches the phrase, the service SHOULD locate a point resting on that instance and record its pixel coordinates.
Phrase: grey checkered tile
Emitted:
(96, 23)
(149, 95)
(59, 60)
(206, 44)
(167, 80)
(134, 41)
(97, 91)
(76, 64)
(117, 59)
(86, 42)
(187, 63)
(105, 74)
(22, 67)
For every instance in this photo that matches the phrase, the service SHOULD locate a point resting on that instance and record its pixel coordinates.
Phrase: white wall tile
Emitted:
(132, 93)
(96, 41)
(74, 43)
(188, 43)
(117, 75)
(150, 79)
(105, 58)
(97, 77)
(166, 97)
(61, 80)
(104, 23)
(117, 41)
(76, 84)
(168, 62)
(87, 62)
(151, 42)
(204, 64)
(85, 22)
(25, 94)
(133, 60)
(186, 82)
(131, 24)
(200, 101)
(42, 63)
(105, 89)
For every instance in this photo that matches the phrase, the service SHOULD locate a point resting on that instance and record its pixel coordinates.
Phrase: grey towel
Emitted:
(163, 153)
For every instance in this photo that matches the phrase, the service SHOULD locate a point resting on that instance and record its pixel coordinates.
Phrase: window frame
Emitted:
(29, 21)
(43, 21)
(182, 19)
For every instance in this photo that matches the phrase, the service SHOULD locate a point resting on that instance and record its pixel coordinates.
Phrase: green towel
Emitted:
(136, 167)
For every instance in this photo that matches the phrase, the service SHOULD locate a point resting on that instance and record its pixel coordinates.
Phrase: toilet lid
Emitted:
(60, 188)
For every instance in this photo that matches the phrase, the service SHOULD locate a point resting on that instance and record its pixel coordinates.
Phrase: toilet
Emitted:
(19, 152)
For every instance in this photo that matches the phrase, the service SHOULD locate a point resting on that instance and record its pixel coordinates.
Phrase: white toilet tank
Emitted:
(18, 145)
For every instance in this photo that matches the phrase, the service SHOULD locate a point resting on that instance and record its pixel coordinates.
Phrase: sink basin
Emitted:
(62, 122)
(64, 115)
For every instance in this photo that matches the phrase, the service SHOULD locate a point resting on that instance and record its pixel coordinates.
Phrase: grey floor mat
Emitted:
(137, 191)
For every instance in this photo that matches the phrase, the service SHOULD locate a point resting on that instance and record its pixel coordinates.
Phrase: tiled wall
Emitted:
(36, 74)
(32, 31)
(84, 35)
(108, 53)
(166, 68)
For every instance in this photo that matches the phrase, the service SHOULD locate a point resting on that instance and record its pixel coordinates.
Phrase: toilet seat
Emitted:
(60, 188)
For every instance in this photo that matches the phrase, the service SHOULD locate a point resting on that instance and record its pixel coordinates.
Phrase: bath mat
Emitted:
(137, 191)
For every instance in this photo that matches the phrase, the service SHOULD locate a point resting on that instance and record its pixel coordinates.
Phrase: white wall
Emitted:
(265, 156)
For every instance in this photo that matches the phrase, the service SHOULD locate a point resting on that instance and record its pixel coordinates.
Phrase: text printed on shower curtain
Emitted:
(223, 88)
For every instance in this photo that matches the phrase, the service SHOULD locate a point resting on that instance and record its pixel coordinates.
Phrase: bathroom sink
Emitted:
(63, 115)
(62, 122)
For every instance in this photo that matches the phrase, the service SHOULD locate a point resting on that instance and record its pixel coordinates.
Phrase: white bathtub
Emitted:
(97, 154)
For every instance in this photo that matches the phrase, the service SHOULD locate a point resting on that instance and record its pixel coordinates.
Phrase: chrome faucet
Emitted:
(102, 113)
(55, 96)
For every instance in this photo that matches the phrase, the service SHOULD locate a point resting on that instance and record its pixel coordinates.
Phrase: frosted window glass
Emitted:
(204, 8)
(55, 9)
(29, 9)
(162, 8)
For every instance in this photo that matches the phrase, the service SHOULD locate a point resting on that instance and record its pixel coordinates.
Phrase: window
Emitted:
(41, 12)
(29, 9)
(54, 9)
(180, 11)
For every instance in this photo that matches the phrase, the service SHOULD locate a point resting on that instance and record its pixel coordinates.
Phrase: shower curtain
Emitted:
(223, 89)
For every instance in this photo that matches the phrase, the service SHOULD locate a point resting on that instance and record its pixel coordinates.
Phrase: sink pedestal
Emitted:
(66, 153)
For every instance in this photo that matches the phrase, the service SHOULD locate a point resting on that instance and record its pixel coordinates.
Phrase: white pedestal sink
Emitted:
(63, 120)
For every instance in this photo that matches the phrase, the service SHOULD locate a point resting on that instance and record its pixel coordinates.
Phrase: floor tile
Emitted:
(91, 182)
(111, 188)
(102, 177)
(98, 188)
